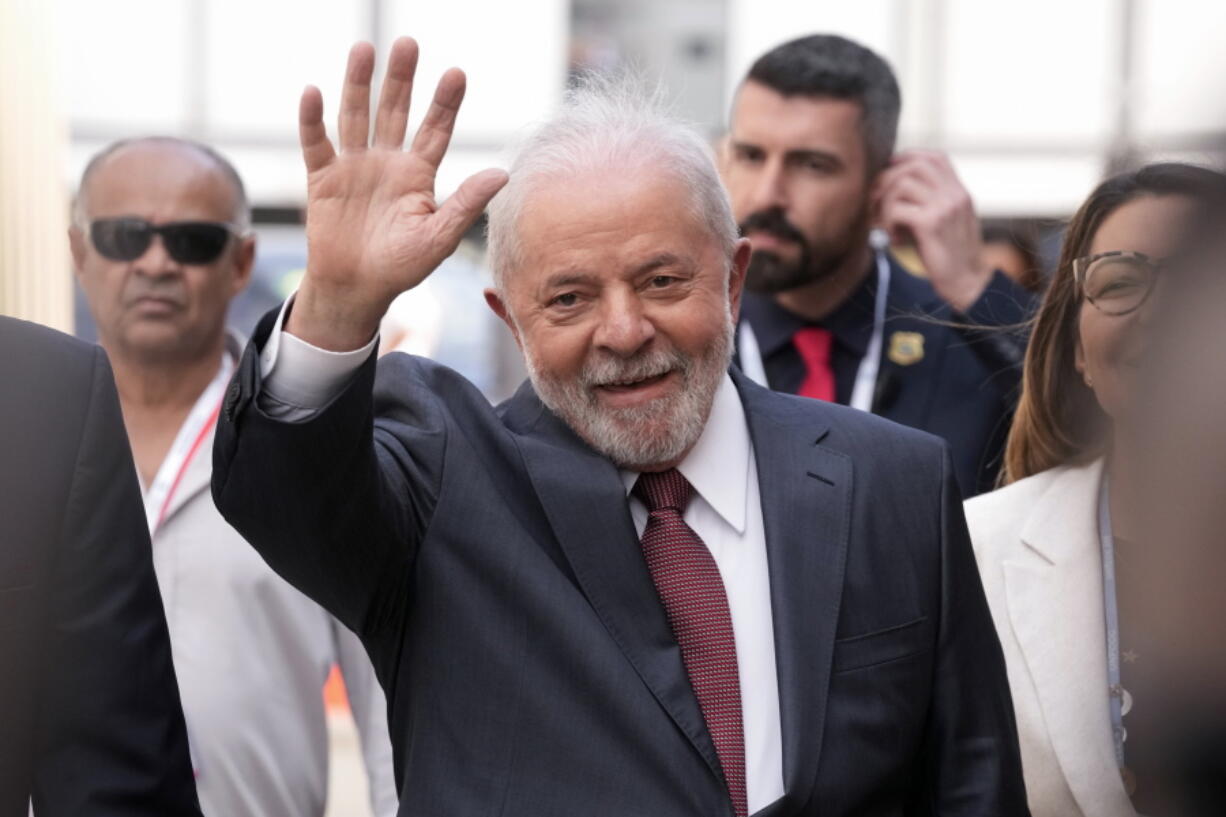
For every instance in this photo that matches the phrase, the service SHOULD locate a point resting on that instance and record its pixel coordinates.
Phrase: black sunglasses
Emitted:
(187, 242)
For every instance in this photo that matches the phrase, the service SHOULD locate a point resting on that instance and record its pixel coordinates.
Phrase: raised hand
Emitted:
(920, 196)
(373, 226)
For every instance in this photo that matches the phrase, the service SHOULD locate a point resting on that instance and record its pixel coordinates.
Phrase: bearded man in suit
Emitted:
(643, 585)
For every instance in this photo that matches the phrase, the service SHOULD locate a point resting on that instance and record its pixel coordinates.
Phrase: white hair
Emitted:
(608, 122)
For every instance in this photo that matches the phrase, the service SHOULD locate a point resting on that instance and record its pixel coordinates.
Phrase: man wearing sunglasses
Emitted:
(161, 243)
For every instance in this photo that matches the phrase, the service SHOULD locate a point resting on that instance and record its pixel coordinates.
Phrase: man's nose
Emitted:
(155, 260)
(624, 326)
(769, 189)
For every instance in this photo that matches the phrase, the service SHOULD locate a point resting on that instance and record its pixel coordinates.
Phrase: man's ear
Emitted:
(244, 263)
(736, 275)
(494, 299)
(77, 243)
(876, 193)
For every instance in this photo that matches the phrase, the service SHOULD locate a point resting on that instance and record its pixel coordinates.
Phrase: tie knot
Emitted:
(664, 489)
(813, 344)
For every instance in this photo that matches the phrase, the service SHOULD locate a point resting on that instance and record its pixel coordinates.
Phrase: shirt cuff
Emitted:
(296, 373)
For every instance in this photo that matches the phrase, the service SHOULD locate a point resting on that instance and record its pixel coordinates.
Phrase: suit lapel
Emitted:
(1056, 608)
(806, 505)
(585, 502)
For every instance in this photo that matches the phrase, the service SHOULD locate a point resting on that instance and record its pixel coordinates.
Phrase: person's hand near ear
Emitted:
(920, 199)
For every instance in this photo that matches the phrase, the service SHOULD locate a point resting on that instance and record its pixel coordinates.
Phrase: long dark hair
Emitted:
(1058, 420)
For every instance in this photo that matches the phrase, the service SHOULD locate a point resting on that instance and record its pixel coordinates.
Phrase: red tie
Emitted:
(688, 581)
(813, 344)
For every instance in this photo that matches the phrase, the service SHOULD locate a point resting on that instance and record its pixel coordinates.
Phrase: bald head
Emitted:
(160, 309)
(147, 155)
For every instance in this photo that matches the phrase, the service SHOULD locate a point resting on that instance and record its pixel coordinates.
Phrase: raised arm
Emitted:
(334, 504)
(374, 228)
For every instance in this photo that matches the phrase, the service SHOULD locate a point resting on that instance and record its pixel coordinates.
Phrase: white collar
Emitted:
(718, 464)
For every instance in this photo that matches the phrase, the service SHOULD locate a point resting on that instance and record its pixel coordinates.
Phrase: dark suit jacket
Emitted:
(90, 722)
(964, 387)
(488, 560)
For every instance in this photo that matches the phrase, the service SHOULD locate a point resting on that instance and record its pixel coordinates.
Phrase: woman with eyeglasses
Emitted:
(1064, 572)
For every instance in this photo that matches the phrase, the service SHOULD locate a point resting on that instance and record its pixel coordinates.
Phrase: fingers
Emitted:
(392, 115)
(906, 189)
(435, 133)
(354, 114)
(459, 212)
(903, 221)
(316, 149)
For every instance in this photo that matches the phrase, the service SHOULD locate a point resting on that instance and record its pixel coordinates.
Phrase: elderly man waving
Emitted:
(643, 585)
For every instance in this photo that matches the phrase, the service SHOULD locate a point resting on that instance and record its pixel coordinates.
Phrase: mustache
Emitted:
(604, 370)
(772, 222)
(172, 293)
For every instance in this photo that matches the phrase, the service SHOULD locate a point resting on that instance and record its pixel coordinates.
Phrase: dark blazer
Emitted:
(964, 386)
(488, 560)
(90, 722)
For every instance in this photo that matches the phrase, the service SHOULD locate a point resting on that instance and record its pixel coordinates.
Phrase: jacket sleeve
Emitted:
(111, 733)
(974, 763)
(995, 326)
(369, 708)
(335, 503)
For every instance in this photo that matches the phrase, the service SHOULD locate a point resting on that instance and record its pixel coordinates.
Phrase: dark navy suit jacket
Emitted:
(962, 387)
(90, 722)
(488, 560)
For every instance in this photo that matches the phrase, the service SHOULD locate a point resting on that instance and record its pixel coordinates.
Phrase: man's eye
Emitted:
(748, 154)
(816, 166)
(565, 299)
(661, 281)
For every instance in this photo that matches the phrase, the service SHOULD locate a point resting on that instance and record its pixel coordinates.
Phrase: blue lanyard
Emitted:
(1112, 615)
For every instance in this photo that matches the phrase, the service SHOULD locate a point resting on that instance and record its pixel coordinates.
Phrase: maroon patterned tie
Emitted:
(688, 581)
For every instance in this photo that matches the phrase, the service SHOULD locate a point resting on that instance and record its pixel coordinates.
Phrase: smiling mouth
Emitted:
(632, 385)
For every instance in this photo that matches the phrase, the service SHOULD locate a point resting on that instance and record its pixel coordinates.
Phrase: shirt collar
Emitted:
(851, 322)
(718, 464)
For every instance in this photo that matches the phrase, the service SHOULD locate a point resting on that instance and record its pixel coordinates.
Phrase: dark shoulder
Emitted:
(49, 387)
(407, 383)
(912, 293)
(859, 434)
(44, 371)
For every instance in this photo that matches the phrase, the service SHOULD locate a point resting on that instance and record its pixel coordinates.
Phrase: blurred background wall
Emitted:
(1034, 101)
(33, 160)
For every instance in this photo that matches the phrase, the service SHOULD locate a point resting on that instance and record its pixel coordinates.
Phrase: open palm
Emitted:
(374, 228)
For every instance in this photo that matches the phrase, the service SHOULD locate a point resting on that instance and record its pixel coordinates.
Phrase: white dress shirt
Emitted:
(251, 654)
(725, 512)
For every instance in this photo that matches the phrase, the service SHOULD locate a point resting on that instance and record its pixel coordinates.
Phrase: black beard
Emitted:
(769, 274)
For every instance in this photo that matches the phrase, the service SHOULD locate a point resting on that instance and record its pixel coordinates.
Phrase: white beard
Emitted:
(646, 436)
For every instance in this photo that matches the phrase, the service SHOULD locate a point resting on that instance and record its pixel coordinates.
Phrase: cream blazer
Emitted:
(1039, 555)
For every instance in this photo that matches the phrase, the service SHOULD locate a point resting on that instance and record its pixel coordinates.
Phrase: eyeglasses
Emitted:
(1118, 282)
(187, 242)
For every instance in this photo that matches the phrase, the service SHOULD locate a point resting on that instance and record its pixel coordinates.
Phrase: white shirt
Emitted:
(725, 512)
(251, 655)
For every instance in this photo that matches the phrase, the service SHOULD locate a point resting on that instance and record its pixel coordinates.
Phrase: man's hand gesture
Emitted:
(373, 226)
(920, 198)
